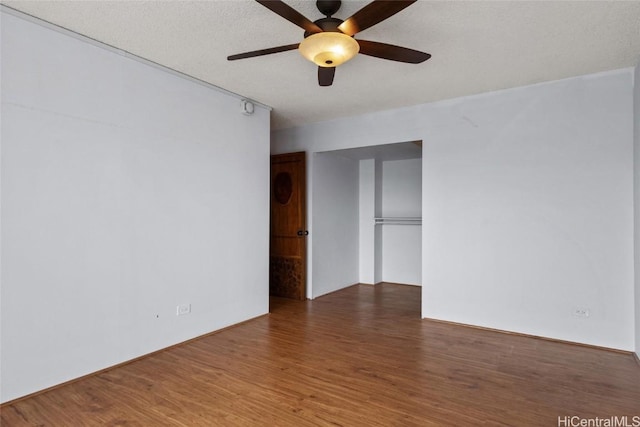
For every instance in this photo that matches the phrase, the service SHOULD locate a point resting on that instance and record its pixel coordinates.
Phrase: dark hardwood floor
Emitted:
(358, 357)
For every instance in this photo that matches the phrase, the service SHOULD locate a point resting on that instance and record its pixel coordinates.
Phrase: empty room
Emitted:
(301, 213)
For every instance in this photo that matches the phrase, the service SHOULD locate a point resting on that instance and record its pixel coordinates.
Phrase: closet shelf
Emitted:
(398, 220)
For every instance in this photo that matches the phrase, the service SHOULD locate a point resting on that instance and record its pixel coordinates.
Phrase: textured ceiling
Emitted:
(477, 46)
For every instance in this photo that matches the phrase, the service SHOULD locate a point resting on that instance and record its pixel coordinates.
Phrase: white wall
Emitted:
(527, 203)
(366, 227)
(402, 188)
(126, 191)
(334, 223)
(402, 244)
(636, 138)
(378, 241)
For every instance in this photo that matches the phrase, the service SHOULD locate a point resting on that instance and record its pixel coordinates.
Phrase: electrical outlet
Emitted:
(183, 309)
(581, 312)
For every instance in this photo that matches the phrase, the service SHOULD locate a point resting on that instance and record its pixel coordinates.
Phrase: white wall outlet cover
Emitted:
(183, 309)
(581, 312)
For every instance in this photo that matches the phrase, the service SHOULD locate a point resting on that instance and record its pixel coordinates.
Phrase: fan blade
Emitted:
(290, 14)
(325, 75)
(392, 52)
(262, 52)
(371, 14)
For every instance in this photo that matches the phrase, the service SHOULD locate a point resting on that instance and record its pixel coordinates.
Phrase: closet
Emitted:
(389, 210)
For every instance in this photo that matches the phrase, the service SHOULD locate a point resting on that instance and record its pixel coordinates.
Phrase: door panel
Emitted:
(287, 254)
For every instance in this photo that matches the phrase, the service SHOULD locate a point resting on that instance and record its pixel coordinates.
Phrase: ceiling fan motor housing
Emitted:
(327, 25)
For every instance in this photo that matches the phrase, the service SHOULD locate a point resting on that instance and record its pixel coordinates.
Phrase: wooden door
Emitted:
(288, 243)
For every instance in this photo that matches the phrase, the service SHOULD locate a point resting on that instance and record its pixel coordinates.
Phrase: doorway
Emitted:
(288, 235)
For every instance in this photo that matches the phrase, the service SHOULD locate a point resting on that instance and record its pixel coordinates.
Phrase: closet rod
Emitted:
(398, 220)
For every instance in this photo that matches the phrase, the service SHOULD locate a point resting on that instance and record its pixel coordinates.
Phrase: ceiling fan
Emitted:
(329, 42)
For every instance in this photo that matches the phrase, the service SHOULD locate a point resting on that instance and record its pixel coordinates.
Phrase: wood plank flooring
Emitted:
(358, 357)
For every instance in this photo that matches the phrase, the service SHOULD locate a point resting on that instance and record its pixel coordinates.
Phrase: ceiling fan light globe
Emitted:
(329, 49)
